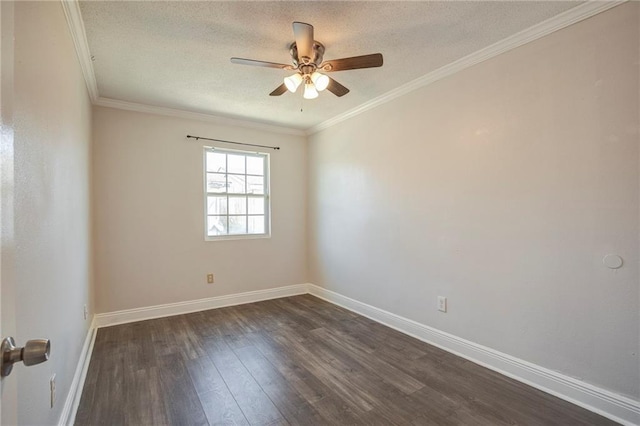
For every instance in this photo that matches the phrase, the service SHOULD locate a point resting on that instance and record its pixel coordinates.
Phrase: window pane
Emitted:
(235, 163)
(256, 205)
(255, 165)
(237, 205)
(255, 185)
(236, 184)
(237, 224)
(216, 182)
(216, 162)
(236, 198)
(256, 224)
(216, 225)
(217, 205)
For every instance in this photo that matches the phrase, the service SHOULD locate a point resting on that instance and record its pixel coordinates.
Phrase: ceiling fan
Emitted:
(306, 57)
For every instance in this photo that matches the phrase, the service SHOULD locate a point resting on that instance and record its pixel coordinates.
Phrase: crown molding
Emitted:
(76, 26)
(558, 22)
(171, 112)
(78, 34)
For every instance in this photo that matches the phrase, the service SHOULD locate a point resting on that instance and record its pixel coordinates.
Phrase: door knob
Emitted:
(34, 352)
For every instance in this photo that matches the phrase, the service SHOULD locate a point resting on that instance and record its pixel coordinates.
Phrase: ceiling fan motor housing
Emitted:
(318, 53)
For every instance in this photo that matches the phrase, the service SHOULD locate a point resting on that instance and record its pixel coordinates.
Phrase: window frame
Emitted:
(266, 196)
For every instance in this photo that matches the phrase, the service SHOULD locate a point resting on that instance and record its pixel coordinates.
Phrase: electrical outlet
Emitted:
(442, 304)
(52, 387)
(86, 312)
(210, 278)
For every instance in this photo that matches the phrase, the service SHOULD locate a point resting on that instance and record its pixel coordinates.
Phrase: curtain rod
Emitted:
(235, 143)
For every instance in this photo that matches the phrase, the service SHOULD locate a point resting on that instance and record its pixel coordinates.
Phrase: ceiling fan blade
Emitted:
(337, 88)
(355, 62)
(255, 63)
(279, 90)
(303, 33)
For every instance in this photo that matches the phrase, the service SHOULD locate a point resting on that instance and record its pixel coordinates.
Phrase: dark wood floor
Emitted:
(298, 361)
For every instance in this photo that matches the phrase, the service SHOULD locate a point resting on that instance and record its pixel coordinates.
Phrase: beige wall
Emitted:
(501, 187)
(149, 206)
(51, 204)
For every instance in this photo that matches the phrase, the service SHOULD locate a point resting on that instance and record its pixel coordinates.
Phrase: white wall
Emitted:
(149, 207)
(51, 203)
(501, 187)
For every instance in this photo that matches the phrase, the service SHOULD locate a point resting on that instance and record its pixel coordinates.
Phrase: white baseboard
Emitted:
(170, 309)
(608, 404)
(70, 408)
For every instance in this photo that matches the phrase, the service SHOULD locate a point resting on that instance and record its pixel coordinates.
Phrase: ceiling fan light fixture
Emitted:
(321, 81)
(293, 81)
(310, 91)
(307, 62)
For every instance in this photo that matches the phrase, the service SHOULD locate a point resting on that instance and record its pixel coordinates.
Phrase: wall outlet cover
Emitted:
(442, 304)
(52, 388)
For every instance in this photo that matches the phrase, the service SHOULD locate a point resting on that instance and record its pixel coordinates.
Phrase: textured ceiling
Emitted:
(176, 54)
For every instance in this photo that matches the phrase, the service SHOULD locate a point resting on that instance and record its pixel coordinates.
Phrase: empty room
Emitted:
(320, 212)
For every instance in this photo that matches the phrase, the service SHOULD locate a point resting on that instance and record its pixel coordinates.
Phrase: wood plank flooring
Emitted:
(297, 361)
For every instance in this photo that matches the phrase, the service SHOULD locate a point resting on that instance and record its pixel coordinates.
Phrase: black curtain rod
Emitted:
(235, 143)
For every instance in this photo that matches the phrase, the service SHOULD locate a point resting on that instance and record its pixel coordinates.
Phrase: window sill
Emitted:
(238, 237)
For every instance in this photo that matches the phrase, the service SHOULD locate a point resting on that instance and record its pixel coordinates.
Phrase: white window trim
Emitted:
(267, 196)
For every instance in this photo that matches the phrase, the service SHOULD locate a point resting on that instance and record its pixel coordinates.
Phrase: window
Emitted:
(236, 193)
